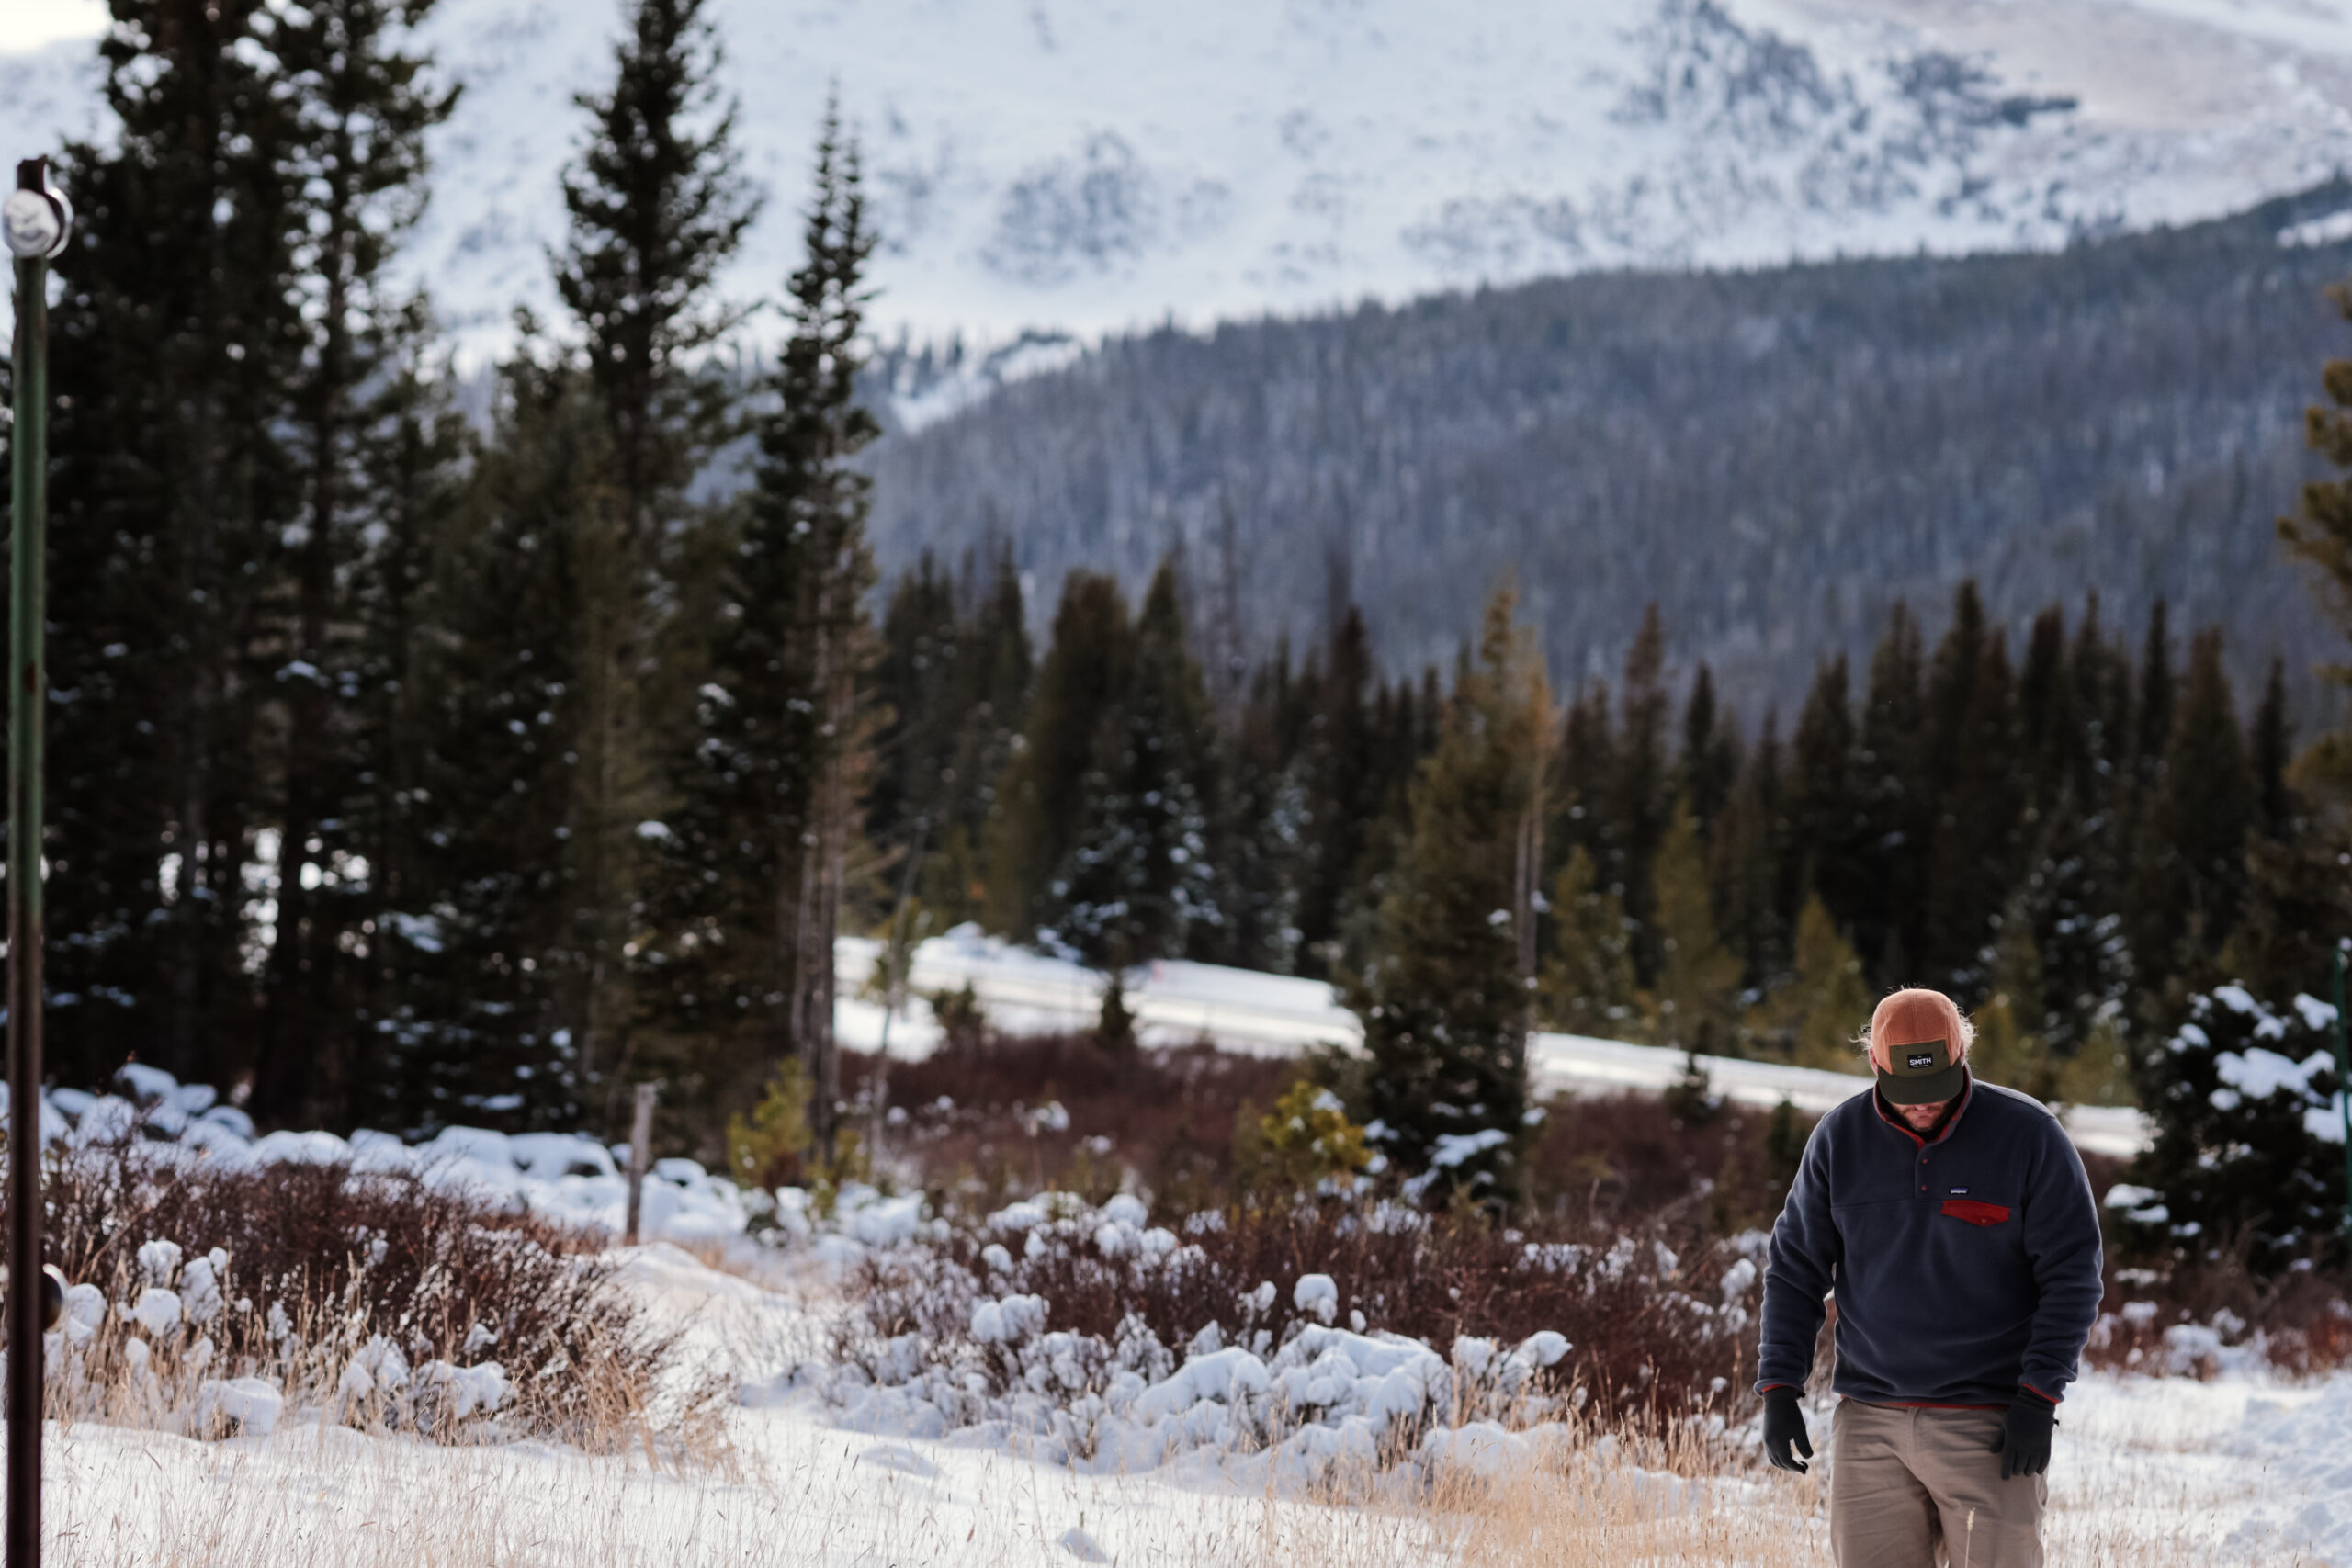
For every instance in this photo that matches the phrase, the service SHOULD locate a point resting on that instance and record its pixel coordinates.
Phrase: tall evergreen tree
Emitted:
(1587, 983)
(993, 681)
(657, 206)
(1692, 1004)
(1888, 920)
(2151, 721)
(484, 940)
(1445, 1005)
(1832, 809)
(1827, 1002)
(1641, 794)
(1710, 753)
(916, 690)
(1347, 776)
(2300, 903)
(1042, 797)
(1973, 760)
(1136, 880)
(2190, 880)
(179, 346)
(769, 800)
(362, 102)
(1754, 866)
(2272, 752)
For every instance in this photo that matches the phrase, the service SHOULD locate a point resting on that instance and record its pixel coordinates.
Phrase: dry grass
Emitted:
(325, 1265)
(815, 1499)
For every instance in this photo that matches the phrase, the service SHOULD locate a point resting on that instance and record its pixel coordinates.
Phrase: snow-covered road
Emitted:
(1240, 1009)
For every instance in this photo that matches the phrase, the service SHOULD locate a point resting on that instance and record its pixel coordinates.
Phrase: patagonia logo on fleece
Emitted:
(1960, 1192)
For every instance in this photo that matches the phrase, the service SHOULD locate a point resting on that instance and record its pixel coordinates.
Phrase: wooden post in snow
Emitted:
(640, 1158)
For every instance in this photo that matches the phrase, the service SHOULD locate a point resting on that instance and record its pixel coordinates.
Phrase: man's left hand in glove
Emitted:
(2024, 1442)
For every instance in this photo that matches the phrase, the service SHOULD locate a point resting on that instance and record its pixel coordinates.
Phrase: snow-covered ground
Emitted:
(1240, 1009)
(1084, 166)
(2148, 1471)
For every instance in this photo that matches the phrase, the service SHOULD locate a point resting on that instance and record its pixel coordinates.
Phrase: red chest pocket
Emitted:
(1974, 1212)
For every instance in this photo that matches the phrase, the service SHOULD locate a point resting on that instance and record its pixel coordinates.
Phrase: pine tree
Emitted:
(2079, 861)
(1137, 881)
(1444, 1004)
(1971, 754)
(1587, 984)
(2248, 1146)
(2273, 752)
(1041, 796)
(1710, 754)
(2299, 903)
(768, 800)
(993, 678)
(363, 104)
(1640, 796)
(486, 941)
(657, 206)
(1584, 777)
(2320, 534)
(2050, 729)
(1345, 781)
(1263, 842)
(412, 464)
(1826, 1002)
(1754, 867)
(2189, 883)
(1832, 806)
(917, 691)
(1693, 1005)
(1888, 920)
(2151, 723)
(2012, 1039)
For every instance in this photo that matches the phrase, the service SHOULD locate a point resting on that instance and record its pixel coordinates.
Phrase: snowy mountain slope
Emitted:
(1094, 166)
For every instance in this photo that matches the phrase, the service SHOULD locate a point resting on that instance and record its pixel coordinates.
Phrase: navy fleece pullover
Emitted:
(1965, 1266)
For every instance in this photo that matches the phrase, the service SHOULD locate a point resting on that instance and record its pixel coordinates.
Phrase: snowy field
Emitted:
(2148, 1472)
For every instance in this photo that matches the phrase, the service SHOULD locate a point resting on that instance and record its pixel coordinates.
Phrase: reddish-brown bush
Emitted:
(1168, 1116)
(1652, 1332)
(338, 1256)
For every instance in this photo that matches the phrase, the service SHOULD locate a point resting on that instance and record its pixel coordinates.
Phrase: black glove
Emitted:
(2024, 1442)
(1784, 1424)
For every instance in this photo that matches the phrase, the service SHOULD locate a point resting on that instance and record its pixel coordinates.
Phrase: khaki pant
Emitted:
(1923, 1488)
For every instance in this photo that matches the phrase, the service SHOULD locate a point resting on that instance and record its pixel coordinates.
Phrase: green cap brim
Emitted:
(1923, 1089)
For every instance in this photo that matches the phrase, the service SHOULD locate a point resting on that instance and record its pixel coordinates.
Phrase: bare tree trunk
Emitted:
(811, 1007)
(1528, 884)
(302, 1069)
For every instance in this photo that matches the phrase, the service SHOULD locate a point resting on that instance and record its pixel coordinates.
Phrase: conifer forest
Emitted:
(435, 743)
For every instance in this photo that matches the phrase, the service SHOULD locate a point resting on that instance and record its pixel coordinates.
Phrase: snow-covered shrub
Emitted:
(380, 1295)
(1115, 1340)
(2249, 1148)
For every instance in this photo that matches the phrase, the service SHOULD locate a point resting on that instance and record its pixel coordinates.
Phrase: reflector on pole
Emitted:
(34, 222)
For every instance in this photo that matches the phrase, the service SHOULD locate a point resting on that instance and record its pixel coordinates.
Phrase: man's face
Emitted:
(1919, 1118)
(1923, 1117)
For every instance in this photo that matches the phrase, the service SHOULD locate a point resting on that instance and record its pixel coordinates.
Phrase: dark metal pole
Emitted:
(2343, 1076)
(27, 690)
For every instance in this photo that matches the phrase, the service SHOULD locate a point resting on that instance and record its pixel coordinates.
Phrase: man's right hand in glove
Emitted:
(1784, 1426)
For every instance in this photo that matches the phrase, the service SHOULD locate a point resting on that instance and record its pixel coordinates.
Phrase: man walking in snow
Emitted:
(1954, 1221)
